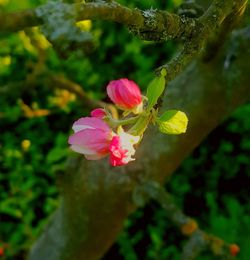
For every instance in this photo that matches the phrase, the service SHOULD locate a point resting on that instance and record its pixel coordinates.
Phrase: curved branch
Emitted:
(58, 81)
(97, 198)
(149, 24)
(167, 25)
(162, 22)
(202, 30)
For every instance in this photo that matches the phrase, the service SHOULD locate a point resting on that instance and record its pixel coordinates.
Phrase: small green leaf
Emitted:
(173, 122)
(155, 89)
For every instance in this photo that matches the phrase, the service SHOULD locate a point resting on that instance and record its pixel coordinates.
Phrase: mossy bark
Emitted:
(96, 198)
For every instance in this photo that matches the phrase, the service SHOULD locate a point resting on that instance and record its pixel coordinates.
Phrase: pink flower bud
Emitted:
(121, 148)
(98, 112)
(124, 93)
(92, 138)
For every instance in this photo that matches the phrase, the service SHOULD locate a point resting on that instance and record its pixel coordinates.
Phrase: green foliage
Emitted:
(27, 189)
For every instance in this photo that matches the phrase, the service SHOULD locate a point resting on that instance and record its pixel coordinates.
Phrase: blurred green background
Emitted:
(36, 119)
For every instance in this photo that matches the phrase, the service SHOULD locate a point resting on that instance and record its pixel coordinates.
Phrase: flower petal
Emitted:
(118, 155)
(130, 93)
(82, 149)
(92, 139)
(98, 112)
(90, 123)
(124, 93)
(122, 147)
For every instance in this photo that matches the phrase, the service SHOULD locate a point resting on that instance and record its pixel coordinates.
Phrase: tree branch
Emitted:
(202, 30)
(199, 240)
(149, 24)
(96, 198)
(54, 82)
(162, 22)
(219, 36)
(57, 81)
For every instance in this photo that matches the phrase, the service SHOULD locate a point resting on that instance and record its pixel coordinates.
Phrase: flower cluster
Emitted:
(101, 134)
(94, 137)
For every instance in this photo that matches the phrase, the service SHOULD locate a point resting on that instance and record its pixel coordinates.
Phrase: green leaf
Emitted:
(155, 89)
(173, 122)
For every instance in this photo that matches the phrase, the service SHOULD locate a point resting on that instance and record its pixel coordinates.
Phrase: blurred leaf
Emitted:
(154, 90)
(173, 122)
(9, 207)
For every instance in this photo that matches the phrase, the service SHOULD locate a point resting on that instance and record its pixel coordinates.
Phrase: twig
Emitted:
(55, 82)
(199, 240)
(203, 27)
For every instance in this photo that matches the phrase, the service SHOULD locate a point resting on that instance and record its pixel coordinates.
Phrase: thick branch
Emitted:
(97, 198)
(148, 24)
(12, 22)
(162, 22)
(219, 36)
(202, 30)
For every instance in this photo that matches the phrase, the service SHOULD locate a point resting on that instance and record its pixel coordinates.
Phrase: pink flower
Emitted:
(92, 137)
(125, 94)
(121, 148)
(98, 112)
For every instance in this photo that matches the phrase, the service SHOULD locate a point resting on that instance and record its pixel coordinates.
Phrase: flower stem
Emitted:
(141, 125)
(116, 122)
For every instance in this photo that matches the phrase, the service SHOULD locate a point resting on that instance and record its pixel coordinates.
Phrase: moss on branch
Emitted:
(77, 231)
(162, 23)
(12, 22)
(168, 24)
(204, 26)
(149, 24)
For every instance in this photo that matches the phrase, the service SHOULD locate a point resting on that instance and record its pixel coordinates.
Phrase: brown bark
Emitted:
(96, 199)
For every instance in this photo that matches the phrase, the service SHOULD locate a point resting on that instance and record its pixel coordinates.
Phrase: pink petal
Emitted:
(130, 93)
(124, 93)
(82, 149)
(114, 93)
(117, 154)
(91, 139)
(98, 112)
(90, 123)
